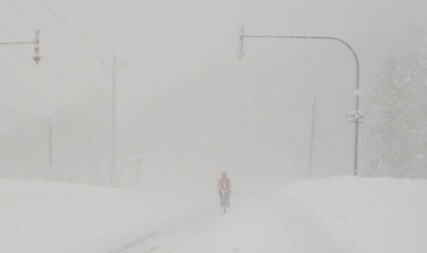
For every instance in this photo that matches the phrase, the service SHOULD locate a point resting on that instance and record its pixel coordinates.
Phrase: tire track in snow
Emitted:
(269, 224)
(169, 237)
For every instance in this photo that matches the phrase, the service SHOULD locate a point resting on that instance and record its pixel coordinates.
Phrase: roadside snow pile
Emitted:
(53, 217)
(368, 214)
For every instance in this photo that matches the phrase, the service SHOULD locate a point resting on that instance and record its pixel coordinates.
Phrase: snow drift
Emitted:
(368, 214)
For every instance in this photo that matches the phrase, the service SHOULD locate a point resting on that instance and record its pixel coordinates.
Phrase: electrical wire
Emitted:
(53, 34)
(20, 113)
(66, 23)
(59, 17)
(58, 69)
(23, 94)
(62, 20)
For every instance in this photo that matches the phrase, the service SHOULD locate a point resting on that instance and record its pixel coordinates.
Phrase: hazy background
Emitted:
(187, 107)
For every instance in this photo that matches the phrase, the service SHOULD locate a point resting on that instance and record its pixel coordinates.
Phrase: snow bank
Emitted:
(368, 214)
(60, 217)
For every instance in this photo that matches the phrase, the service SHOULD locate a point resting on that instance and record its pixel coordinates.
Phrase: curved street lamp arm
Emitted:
(240, 54)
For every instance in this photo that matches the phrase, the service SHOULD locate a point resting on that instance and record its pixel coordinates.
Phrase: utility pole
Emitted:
(313, 120)
(114, 67)
(50, 138)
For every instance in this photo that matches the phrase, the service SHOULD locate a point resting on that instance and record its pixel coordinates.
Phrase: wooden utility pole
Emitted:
(313, 121)
(114, 67)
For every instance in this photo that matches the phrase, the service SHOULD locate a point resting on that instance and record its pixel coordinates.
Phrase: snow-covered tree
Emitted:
(397, 116)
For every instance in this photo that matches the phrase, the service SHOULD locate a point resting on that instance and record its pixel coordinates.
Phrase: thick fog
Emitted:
(187, 108)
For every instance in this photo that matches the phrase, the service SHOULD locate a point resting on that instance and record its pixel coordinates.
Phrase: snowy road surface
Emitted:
(345, 215)
(267, 225)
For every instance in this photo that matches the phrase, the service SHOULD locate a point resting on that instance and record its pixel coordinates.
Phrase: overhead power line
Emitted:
(21, 93)
(66, 23)
(59, 70)
(52, 34)
(19, 113)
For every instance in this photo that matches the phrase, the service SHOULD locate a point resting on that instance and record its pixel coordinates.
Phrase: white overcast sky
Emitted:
(183, 81)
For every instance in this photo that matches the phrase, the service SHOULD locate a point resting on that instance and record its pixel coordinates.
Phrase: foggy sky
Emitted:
(184, 98)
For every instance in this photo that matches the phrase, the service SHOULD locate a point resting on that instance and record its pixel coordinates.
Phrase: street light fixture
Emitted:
(356, 116)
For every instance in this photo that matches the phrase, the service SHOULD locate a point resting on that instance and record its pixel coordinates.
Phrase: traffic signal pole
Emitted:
(358, 118)
(36, 43)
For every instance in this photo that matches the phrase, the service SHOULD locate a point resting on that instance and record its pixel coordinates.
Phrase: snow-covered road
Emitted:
(268, 224)
(345, 215)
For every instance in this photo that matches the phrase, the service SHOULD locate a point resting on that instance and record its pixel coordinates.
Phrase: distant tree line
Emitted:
(397, 115)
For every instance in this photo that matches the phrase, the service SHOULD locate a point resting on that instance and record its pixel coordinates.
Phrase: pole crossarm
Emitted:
(240, 54)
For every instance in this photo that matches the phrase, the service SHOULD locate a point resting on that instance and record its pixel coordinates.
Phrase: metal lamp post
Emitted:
(356, 117)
